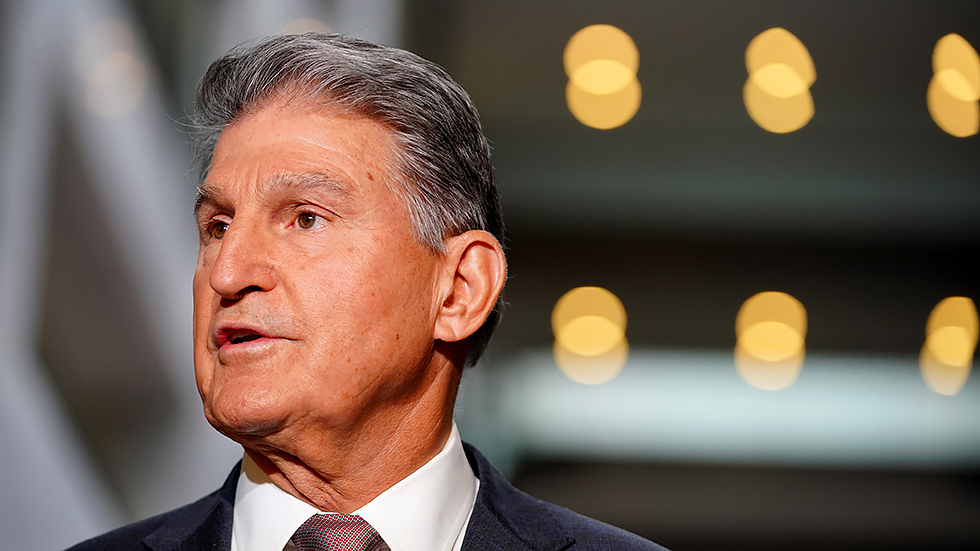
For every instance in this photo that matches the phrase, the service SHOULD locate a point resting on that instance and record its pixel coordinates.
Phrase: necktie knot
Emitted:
(336, 532)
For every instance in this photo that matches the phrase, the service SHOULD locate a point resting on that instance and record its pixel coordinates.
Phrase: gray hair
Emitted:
(444, 158)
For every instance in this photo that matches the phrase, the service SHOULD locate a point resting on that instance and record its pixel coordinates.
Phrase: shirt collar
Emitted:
(265, 517)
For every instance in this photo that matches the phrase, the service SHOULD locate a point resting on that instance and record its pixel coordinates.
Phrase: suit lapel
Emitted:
(203, 525)
(506, 519)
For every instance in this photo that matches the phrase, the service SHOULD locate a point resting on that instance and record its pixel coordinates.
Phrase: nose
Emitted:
(244, 263)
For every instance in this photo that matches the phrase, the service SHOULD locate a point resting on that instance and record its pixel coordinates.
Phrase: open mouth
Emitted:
(238, 335)
(244, 337)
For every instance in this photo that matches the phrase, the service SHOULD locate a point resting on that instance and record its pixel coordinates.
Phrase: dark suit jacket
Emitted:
(504, 518)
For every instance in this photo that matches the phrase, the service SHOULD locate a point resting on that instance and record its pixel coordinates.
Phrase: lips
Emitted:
(225, 335)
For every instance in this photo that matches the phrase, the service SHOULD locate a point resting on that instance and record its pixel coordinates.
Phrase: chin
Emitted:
(245, 417)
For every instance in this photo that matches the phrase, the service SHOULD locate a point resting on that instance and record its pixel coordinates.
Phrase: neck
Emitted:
(341, 470)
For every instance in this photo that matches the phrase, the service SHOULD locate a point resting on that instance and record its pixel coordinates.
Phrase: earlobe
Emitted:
(475, 273)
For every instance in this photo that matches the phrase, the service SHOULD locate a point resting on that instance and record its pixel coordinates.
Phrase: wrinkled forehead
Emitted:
(287, 142)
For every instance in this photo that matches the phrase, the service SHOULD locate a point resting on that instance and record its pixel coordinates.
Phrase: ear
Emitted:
(474, 275)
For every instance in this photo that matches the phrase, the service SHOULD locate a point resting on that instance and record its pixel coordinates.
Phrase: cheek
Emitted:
(203, 302)
(202, 271)
(357, 307)
(204, 295)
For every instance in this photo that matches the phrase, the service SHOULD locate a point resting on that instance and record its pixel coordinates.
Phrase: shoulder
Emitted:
(506, 518)
(127, 537)
(204, 524)
(593, 534)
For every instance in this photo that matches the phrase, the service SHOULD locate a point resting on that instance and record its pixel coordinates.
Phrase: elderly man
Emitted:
(349, 267)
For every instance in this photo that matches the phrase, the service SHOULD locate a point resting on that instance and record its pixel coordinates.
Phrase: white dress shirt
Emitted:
(426, 511)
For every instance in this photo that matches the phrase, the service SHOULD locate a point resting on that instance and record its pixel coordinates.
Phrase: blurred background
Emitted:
(742, 240)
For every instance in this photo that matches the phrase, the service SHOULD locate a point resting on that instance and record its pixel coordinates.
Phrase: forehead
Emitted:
(351, 152)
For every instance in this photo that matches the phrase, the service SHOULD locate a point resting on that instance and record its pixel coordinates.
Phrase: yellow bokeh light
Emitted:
(601, 42)
(777, 92)
(604, 112)
(588, 301)
(592, 370)
(770, 331)
(602, 77)
(942, 378)
(771, 306)
(956, 85)
(951, 346)
(779, 80)
(777, 115)
(777, 45)
(957, 65)
(771, 341)
(766, 375)
(601, 63)
(957, 118)
(955, 312)
(954, 91)
(589, 335)
(951, 339)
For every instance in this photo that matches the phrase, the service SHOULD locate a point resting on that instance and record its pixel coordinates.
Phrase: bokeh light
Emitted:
(777, 93)
(954, 91)
(592, 370)
(589, 324)
(955, 312)
(770, 332)
(771, 306)
(602, 77)
(778, 80)
(951, 340)
(116, 80)
(588, 301)
(777, 46)
(957, 118)
(600, 42)
(942, 378)
(601, 62)
(604, 112)
(771, 341)
(116, 85)
(766, 375)
(957, 67)
(951, 346)
(777, 115)
(589, 335)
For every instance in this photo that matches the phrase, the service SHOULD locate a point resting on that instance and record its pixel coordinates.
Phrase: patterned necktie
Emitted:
(338, 532)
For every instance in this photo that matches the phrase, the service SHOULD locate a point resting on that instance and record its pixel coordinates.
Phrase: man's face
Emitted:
(313, 300)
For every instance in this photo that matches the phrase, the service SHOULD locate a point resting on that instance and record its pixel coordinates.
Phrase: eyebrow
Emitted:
(205, 194)
(313, 181)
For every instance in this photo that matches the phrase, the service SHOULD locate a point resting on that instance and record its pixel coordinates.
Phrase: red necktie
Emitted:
(338, 532)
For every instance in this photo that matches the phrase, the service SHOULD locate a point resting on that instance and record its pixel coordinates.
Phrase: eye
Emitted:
(218, 229)
(307, 221)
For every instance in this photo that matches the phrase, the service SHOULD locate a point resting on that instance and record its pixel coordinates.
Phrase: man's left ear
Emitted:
(472, 279)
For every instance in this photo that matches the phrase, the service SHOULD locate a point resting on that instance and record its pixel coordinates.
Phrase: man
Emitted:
(350, 266)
